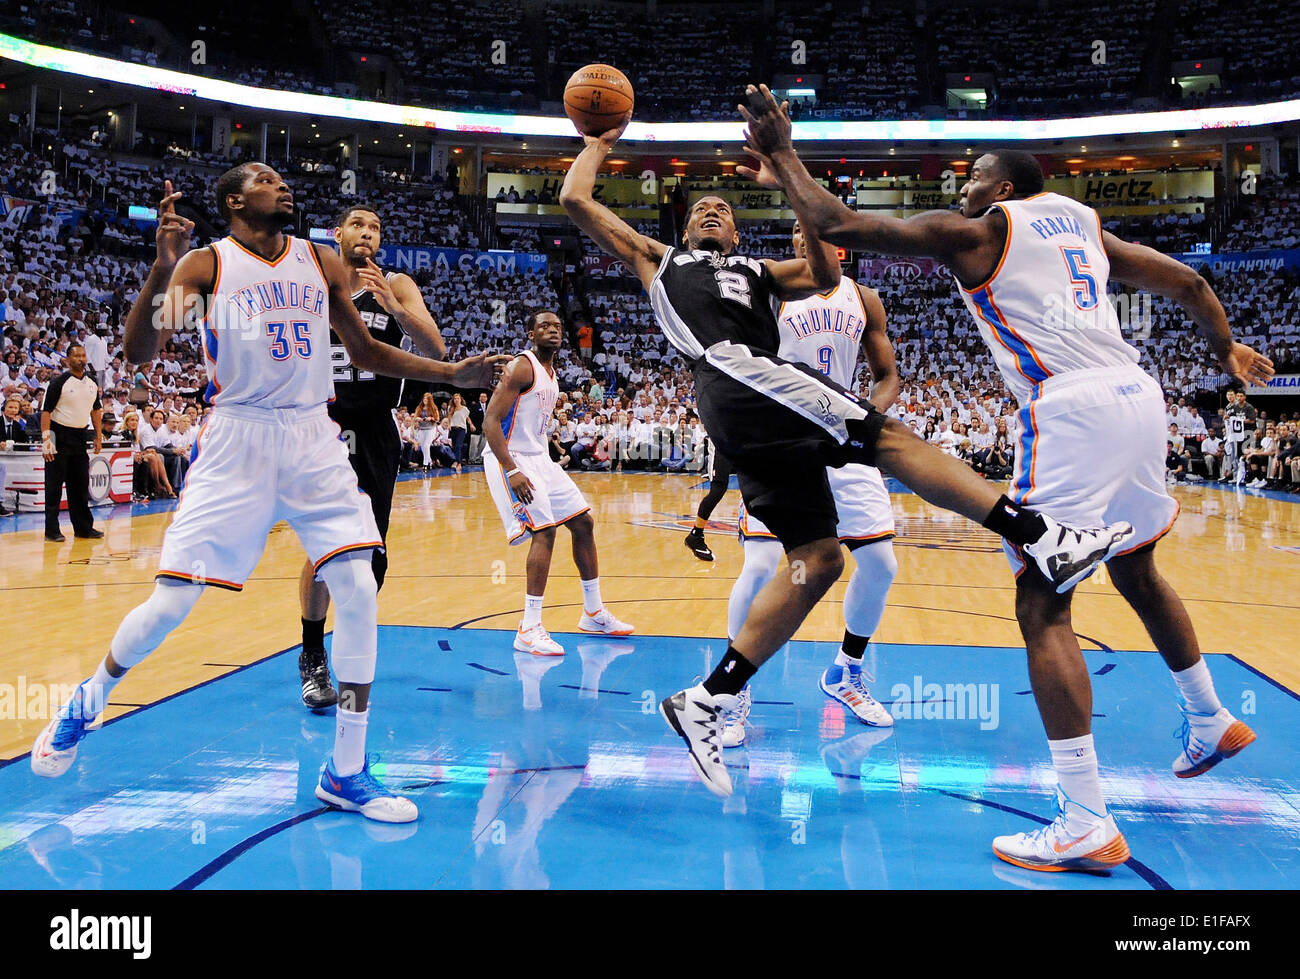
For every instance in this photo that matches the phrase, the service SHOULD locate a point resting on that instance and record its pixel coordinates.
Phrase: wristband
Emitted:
(511, 473)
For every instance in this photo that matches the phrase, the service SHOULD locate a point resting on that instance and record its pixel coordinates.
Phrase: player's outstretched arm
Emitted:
(614, 235)
(367, 353)
(173, 287)
(517, 378)
(943, 235)
(879, 352)
(1146, 268)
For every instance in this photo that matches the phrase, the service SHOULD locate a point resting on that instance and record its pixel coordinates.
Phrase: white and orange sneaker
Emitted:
(604, 623)
(537, 641)
(1056, 847)
(1208, 739)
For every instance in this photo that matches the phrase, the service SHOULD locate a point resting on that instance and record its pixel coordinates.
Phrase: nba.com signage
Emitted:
(1279, 384)
(409, 258)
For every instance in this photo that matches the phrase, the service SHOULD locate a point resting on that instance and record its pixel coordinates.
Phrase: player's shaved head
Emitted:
(1021, 169)
(232, 182)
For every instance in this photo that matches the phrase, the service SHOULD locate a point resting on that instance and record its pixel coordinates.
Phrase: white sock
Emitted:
(591, 603)
(1197, 688)
(95, 691)
(532, 611)
(844, 659)
(1075, 761)
(350, 741)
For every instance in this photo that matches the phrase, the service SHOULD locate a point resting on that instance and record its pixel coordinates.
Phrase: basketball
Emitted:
(596, 98)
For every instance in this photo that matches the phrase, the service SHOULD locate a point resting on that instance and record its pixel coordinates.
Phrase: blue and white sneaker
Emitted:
(55, 749)
(847, 685)
(365, 794)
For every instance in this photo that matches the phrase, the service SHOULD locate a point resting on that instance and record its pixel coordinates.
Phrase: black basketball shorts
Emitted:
(781, 424)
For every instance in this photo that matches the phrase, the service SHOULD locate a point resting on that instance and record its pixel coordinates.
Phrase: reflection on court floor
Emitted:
(560, 773)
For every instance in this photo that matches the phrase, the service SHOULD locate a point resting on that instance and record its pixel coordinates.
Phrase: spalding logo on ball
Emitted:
(596, 98)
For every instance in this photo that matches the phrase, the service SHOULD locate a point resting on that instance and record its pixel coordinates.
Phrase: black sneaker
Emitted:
(317, 691)
(695, 541)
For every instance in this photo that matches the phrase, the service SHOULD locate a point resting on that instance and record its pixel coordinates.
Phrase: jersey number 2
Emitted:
(733, 286)
(280, 343)
(1085, 286)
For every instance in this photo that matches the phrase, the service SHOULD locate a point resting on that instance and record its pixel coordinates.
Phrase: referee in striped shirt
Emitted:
(71, 406)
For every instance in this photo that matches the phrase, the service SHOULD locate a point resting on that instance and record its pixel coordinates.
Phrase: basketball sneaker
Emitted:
(695, 542)
(365, 794)
(696, 716)
(845, 684)
(1208, 739)
(1056, 847)
(603, 623)
(55, 748)
(314, 671)
(1066, 556)
(735, 712)
(537, 641)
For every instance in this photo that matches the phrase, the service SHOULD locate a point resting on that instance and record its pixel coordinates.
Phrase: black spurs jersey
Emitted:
(360, 390)
(701, 298)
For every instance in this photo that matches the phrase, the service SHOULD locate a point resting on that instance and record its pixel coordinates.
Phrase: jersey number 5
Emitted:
(733, 286)
(1085, 286)
(280, 349)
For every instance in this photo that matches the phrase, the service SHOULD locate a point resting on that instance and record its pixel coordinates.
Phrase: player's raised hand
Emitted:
(173, 234)
(376, 283)
(479, 371)
(610, 136)
(1247, 366)
(765, 175)
(770, 129)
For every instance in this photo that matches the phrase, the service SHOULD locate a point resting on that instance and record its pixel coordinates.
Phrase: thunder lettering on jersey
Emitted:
(525, 424)
(825, 331)
(266, 336)
(1044, 310)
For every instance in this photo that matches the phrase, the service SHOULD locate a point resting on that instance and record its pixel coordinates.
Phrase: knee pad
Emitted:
(762, 559)
(352, 587)
(147, 625)
(876, 561)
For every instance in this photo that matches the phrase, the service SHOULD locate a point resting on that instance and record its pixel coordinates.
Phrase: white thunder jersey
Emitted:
(825, 331)
(267, 336)
(1044, 309)
(556, 498)
(529, 419)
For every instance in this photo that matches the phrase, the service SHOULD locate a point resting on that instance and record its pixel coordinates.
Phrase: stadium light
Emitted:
(500, 123)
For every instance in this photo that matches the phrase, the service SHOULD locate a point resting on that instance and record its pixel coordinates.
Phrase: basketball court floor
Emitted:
(534, 773)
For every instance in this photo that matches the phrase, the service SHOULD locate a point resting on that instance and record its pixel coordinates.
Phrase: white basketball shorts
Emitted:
(1091, 451)
(861, 502)
(556, 497)
(252, 468)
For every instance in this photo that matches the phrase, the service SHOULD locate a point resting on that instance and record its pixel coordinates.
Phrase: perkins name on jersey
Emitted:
(1058, 224)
